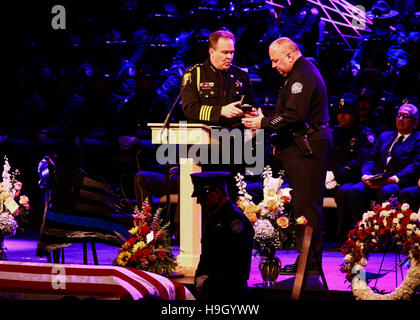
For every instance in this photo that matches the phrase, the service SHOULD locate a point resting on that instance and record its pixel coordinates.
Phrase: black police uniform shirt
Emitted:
(351, 149)
(303, 98)
(226, 249)
(208, 89)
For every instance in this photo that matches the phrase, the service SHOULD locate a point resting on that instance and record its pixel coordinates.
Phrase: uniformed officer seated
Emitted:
(352, 142)
(226, 244)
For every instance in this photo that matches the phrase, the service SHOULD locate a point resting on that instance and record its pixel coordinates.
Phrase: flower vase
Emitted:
(269, 269)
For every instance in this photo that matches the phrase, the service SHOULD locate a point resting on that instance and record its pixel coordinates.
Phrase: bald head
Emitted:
(285, 44)
(283, 54)
(414, 112)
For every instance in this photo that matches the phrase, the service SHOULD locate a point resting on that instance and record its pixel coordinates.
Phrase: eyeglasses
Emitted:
(404, 116)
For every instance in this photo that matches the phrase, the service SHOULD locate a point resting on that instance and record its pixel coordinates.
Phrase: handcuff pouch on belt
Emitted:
(298, 134)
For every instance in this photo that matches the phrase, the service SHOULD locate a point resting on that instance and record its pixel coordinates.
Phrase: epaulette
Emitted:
(193, 67)
(187, 75)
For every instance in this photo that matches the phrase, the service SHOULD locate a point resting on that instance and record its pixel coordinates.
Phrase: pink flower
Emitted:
(23, 200)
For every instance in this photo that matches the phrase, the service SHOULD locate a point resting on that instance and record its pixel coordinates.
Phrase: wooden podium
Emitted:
(184, 135)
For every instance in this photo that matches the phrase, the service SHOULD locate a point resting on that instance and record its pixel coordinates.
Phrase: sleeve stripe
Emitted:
(205, 112)
(208, 113)
(201, 112)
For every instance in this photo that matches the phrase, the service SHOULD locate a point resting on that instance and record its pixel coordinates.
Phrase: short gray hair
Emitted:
(413, 108)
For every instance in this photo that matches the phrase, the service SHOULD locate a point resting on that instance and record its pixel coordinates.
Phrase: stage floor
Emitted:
(22, 248)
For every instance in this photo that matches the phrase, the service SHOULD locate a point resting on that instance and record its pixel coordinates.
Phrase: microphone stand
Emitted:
(166, 126)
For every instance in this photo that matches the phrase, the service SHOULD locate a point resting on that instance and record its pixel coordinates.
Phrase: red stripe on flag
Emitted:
(179, 290)
(76, 271)
(101, 290)
(163, 293)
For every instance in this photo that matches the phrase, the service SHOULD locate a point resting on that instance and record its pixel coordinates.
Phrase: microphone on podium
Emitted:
(168, 116)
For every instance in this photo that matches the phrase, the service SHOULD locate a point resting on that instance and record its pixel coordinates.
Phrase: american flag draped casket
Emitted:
(49, 281)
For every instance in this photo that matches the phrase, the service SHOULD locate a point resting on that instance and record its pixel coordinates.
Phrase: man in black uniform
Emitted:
(213, 89)
(301, 123)
(212, 93)
(352, 143)
(226, 243)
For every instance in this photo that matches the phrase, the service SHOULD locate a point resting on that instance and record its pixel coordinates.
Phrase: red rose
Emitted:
(131, 241)
(144, 229)
(132, 260)
(162, 254)
(139, 253)
(405, 220)
(147, 251)
(360, 234)
(370, 230)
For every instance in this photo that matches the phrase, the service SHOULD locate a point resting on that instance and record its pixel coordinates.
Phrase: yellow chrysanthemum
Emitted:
(139, 245)
(134, 230)
(123, 258)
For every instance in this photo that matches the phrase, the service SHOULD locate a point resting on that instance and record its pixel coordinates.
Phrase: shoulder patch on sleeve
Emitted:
(297, 87)
(186, 78)
(237, 226)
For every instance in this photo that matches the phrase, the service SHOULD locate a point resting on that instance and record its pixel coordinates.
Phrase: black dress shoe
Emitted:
(289, 269)
(292, 269)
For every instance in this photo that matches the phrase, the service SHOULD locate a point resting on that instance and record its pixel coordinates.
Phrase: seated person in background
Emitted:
(226, 243)
(395, 156)
(368, 113)
(148, 184)
(411, 195)
(352, 143)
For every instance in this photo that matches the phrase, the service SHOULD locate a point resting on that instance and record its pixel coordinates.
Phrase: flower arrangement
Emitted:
(14, 207)
(148, 247)
(378, 228)
(272, 223)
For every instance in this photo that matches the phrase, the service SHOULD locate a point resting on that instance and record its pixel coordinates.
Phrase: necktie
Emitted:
(396, 144)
